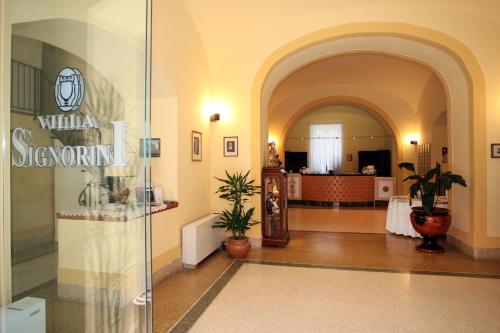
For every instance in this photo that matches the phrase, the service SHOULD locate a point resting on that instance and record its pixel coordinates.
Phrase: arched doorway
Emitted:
(452, 63)
(372, 109)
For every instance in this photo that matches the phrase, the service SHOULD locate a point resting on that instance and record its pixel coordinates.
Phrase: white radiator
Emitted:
(199, 240)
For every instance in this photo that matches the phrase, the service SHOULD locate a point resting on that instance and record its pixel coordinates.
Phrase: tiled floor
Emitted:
(28, 275)
(76, 317)
(177, 294)
(275, 298)
(371, 251)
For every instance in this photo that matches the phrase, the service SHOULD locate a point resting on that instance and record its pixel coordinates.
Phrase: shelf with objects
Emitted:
(275, 211)
(274, 204)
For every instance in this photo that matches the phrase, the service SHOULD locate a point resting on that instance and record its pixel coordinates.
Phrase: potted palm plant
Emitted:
(237, 189)
(428, 220)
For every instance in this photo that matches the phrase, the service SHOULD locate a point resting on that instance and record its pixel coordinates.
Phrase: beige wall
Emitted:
(432, 104)
(432, 119)
(355, 123)
(439, 140)
(181, 88)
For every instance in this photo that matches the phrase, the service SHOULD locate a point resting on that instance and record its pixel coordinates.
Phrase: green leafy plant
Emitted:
(237, 189)
(429, 185)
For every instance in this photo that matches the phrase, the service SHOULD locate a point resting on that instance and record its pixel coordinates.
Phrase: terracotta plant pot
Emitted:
(238, 248)
(430, 227)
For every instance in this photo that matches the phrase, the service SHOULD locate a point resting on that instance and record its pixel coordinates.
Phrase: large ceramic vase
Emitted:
(238, 248)
(430, 227)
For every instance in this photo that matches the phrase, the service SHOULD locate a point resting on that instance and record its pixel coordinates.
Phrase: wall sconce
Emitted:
(413, 139)
(214, 117)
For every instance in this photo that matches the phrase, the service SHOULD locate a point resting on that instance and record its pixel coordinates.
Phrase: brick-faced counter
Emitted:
(338, 188)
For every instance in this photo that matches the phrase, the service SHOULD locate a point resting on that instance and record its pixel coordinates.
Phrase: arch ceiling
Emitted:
(381, 79)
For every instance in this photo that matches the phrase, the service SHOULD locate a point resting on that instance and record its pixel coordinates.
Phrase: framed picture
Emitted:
(230, 146)
(349, 157)
(495, 150)
(444, 155)
(196, 146)
(152, 149)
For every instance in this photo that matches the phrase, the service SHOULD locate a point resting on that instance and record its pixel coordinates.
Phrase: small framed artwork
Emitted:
(444, 155)
(495, 150)
(196, 146)
(230, 146)
(152, 149)
(349, 157)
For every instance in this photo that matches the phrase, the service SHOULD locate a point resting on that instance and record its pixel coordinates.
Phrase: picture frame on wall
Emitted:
(230, 146)
(349, 157)
(153, 149)
(444, 155)
(495, 150)
(196, 146)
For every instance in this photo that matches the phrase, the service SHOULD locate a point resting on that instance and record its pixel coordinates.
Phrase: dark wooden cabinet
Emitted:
(274, 208)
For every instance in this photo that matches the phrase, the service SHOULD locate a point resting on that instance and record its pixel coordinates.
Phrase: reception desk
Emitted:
(338, 188)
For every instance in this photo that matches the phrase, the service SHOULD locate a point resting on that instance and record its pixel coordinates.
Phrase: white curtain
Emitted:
(325, 147)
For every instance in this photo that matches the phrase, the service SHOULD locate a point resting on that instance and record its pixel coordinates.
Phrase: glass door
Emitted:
(76, 216)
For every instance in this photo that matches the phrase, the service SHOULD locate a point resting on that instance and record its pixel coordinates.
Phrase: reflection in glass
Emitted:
(78, 221)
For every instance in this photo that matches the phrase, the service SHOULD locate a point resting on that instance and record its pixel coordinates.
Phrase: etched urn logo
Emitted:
(69, 89)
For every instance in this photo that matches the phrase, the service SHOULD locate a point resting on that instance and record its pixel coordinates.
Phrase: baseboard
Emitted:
(460, 245)
(255, 242)
(166, 271)
(475, 252)
(487, 253)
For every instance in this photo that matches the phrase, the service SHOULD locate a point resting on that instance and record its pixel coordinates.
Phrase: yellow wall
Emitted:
(181, 88)
(355, 123)
(431, 104)
(439, 140)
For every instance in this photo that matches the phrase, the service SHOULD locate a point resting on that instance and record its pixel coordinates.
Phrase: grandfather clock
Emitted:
(274, 208)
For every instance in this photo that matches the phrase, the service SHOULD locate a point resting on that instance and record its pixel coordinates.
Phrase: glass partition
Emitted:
(78, 196)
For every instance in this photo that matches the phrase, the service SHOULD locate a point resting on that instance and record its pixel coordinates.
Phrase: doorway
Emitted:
(401, 98)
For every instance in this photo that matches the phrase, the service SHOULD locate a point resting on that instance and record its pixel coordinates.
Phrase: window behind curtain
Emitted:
(325, 147)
